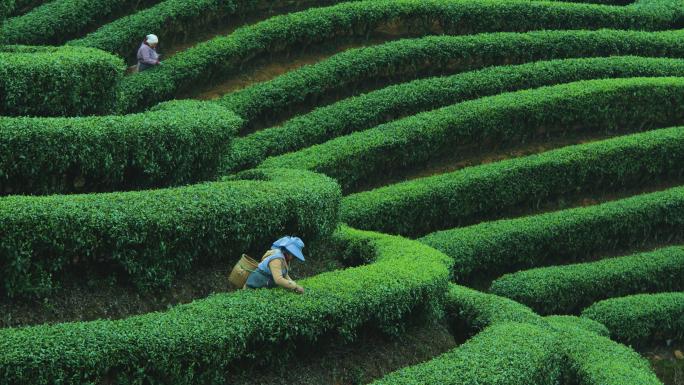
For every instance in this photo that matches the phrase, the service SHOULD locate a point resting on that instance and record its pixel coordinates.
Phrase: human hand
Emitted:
(299, 289)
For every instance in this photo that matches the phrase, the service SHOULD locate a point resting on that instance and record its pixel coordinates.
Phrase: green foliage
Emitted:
(448, 200)
(570, 288)
(411, 58)
(226, 54)
(503, 354)
(174, 20)
(196, 343)
(577, 322)
(641, 319)
(607, 105)
(471, 310)
(151, 236)
(57, 80)
(57, 21)
(562, 236)
(593, 359)
(181, 142)
(6, 7)
(369, 110)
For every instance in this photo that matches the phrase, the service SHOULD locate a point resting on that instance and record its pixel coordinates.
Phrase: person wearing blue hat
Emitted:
(274, 266)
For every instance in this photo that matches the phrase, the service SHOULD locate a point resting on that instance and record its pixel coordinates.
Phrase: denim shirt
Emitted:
(263, 266)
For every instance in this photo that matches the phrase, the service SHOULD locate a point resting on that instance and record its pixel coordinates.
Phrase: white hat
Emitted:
(152, 39)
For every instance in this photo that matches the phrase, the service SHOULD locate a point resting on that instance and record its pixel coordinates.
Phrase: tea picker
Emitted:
(273, 269)
(147, 54)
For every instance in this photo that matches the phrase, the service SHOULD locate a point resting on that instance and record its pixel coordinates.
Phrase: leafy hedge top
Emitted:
(196, 343)
(57, 21)
(641, 319)
(57, 81)
(369, 110)
(472, 194)
(567, 235)
(607, 105)
(151, 236)
(6, 7)
(570, 288)
(223, 55)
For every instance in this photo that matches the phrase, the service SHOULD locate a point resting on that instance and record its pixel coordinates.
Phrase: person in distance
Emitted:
(147, 54)
(274, 266)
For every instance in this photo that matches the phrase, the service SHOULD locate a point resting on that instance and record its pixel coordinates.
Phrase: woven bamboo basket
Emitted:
(241, 271)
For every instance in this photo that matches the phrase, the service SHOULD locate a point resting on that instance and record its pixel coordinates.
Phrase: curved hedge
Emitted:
(412, 58)
(606, 105)
(177, 143)
(196, 343)
(640, 319)
(57, 80)
(570, 288)
(369, 110)
(219, 56)
(174, 19)
(151, 236)
(567, 235)
(593, 359)
(503, 354)
(6, 7)
(57, 21)
(443, 201)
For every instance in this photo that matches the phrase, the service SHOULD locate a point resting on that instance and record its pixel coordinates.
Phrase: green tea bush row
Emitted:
(562, 236)
(420, 206)
(411, 58)
(23, 6)
(57, 21)
(377, 107)
(593, 359)
(6, 7)
(505, 353)
(571, 288)
(178, 143)
(174, 20)
(197, 343)
(607, 105)
(57, 80)
(641, 319)
(151, 236)
(223, 55)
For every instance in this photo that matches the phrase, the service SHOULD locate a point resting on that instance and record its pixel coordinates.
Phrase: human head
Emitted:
(152, 40)
(290, 245)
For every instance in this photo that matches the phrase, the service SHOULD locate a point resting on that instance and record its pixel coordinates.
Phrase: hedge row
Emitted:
(641, 319)
(151, 236)
(23, 6)
(571, 288)
(174, 20)
(420, 206)
(412, 58)
(593, 359)
(608, 105)
(57, 81)
(6, 7)
(369, 110)
(223, 55)
(197, 343)
(177, 143)
(567, 235)
(57, 21)
(503, 354)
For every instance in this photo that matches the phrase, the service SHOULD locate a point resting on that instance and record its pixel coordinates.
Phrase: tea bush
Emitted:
(641, 319)
(607, 105)
(196, 343)
(420, 206)
(562, 236)
(57, 81)
(571, 288)
(181, 142)
(152, 236)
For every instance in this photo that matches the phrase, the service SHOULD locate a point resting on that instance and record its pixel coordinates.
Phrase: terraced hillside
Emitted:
(490, 191)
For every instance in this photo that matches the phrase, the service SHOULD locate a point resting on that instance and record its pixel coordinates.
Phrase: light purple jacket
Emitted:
(147, 55)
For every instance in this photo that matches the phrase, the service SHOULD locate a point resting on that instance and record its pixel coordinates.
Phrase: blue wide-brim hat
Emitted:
(292, 244)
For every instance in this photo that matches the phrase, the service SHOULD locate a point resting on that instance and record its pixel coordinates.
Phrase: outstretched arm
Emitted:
(276, 267)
